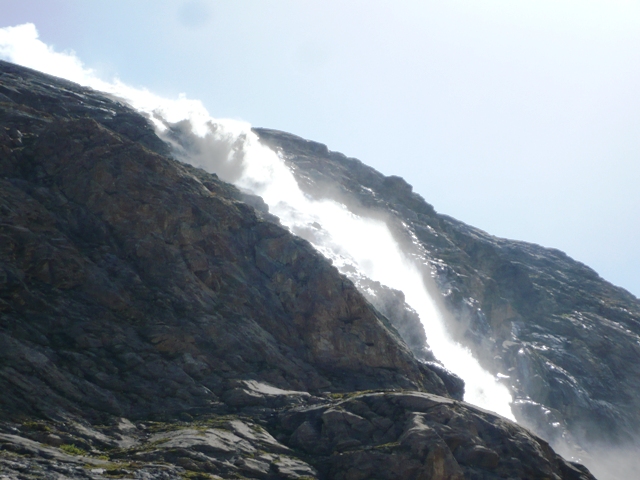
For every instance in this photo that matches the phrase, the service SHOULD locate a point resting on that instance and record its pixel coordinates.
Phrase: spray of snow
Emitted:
(363, 245)
(230, 149)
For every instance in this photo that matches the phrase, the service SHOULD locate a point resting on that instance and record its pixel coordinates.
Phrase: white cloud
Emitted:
(21, 45)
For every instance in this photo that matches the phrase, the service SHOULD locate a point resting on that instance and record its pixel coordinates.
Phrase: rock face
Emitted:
(153, 324)
(568, 341)
(141, 259)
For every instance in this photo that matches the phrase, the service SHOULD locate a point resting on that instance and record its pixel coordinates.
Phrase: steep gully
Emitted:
(134, 287)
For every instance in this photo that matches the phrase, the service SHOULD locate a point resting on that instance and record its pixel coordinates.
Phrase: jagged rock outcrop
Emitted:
(154, 325)
(568, 341)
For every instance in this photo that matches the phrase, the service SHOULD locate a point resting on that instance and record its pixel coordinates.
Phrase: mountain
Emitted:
(157, 322)
(566, 341)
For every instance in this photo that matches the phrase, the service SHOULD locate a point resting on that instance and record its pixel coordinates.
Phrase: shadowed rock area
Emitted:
(153, 324)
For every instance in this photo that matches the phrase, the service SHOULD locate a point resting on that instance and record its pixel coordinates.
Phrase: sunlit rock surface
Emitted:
(154, 324)
(565, 341)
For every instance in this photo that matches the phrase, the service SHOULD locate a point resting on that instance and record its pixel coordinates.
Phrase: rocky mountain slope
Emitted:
(153, 324)
(566, 341)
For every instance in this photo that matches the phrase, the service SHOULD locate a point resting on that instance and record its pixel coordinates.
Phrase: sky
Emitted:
(519, 117)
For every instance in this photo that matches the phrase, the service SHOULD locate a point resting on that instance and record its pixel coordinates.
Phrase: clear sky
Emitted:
(520, 117)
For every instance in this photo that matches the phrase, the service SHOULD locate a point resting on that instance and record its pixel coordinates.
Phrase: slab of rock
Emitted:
(247, 393)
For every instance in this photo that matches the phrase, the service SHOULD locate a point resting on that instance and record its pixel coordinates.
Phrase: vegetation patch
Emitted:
(348, 395)
(157, 427)
(116, 472)
(71, 449)
(38, 426)
(387, 446)
(197, 475)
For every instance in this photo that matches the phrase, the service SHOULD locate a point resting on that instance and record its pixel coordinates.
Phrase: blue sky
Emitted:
(519, 117)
